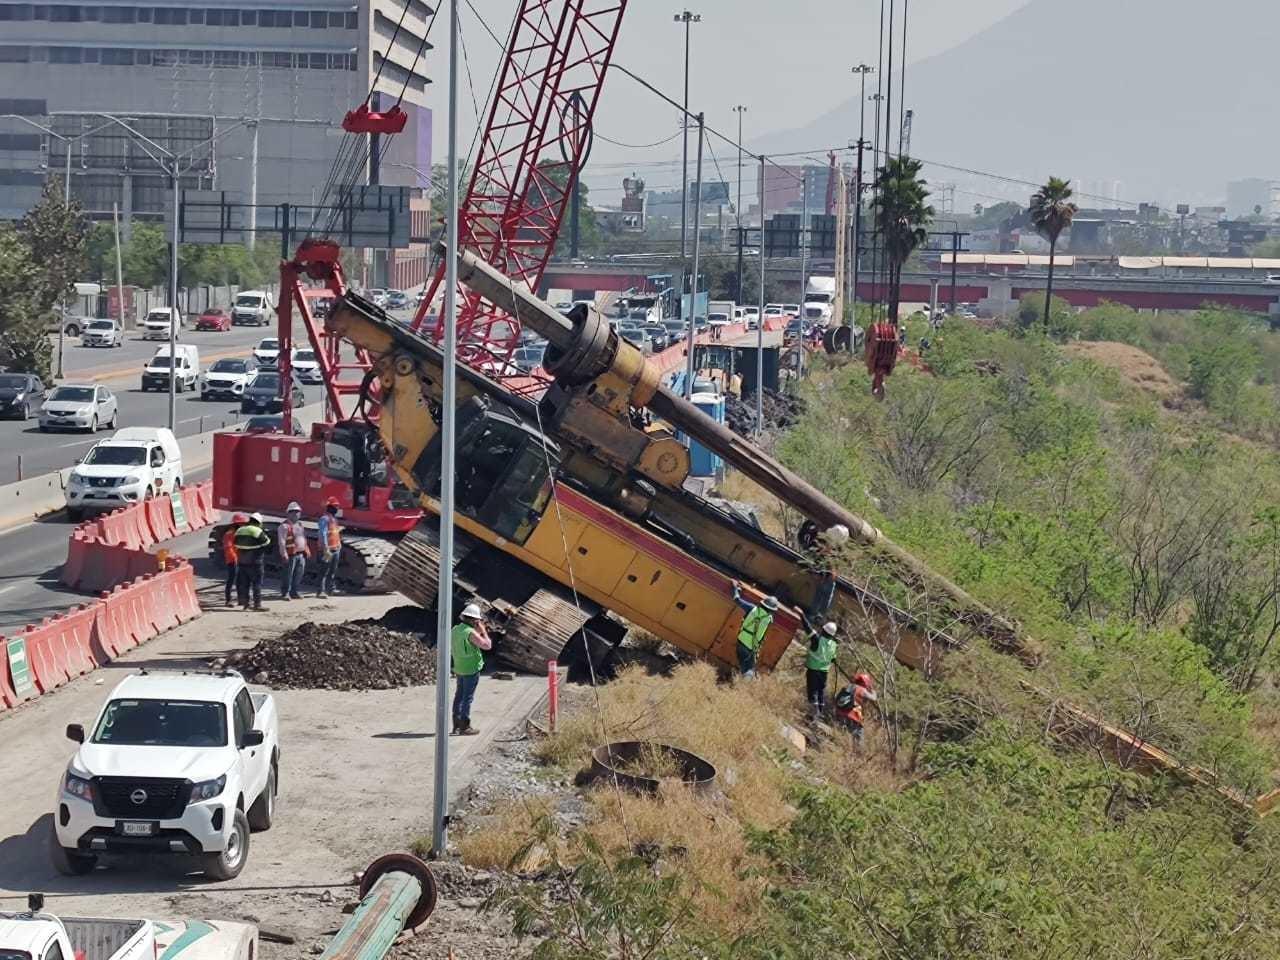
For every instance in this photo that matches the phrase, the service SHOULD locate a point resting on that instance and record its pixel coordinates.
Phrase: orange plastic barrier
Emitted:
(77, 554)
(160, 519)
(72, 634)
(8, 698)
(45, 658)
(120, 528)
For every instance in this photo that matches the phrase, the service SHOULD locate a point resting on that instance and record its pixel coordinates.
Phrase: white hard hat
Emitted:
(770, 603)
(836, 535)
(829, 628)
(472, 611)
(293, 507)
(255, 517)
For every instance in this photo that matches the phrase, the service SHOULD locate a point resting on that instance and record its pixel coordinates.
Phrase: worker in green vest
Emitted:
(756, 620)
(469, 640)
(817, 666)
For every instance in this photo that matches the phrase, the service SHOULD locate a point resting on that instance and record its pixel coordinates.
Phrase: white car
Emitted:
(156, 324)
(184, 370)
(252, 307)
(102, 333)
(267, 353)
(306, 367)
(175, 763)
(79, 406)
(137, 463)
(226, 379)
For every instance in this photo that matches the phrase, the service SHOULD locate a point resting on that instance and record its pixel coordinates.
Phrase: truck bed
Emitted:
(100, 939)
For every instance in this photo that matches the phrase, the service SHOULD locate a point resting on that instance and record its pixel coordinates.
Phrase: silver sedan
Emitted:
(75, 406)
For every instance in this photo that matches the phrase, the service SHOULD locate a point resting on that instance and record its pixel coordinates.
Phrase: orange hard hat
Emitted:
(864, 679)
(240, 518)
(332, 502)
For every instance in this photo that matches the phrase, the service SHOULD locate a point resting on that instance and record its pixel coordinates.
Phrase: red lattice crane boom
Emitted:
(529, 157)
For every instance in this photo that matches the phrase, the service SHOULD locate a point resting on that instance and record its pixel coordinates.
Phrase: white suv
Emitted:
(174, 763)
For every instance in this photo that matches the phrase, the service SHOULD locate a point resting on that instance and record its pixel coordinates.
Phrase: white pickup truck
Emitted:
(36, 935)
(174, 763)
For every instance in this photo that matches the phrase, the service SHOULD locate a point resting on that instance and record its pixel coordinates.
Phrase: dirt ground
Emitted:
(1135, 366)
(356, 782)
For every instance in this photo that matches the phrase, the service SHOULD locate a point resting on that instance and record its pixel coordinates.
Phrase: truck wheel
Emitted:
(69, 863)
(228, 864)
(263, 810)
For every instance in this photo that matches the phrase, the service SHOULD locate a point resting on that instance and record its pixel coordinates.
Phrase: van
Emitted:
(158, 323)
(138, 463)
(252, 308)
(186, 369)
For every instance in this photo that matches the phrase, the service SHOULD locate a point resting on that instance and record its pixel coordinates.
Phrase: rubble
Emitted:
(780, 412)
(340, 656)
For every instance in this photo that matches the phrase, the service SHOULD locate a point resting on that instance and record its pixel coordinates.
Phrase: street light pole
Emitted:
(685, 17)
(173, 301)
(444, 588)
(739, 110)
(689, 366)
(862, 70)
(66, 205)
(760, 317)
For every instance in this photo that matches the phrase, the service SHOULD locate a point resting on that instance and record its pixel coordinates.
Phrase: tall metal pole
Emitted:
(689, 364)
(173, 301)
(66, 205)
(251, 235)
(862, 69)
(739, 110)
(804, 246)
(115, 220)
(444, 590)
(760, 317)
(685, 17)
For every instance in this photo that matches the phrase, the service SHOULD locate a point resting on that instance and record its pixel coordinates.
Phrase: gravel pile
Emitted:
(780, 412)
(338, 656)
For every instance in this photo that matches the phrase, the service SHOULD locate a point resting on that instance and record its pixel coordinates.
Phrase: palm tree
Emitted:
(1051, 213)
(902, 217)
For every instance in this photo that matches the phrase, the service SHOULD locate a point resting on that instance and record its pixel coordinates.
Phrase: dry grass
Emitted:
(770, 509)
(493, 841)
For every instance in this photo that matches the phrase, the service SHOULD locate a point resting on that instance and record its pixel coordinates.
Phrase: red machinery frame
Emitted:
(515, 204)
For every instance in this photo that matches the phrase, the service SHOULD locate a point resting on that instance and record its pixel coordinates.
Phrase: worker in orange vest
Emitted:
(330, 537)
(849, 703)
(294, 550)
(230, 556)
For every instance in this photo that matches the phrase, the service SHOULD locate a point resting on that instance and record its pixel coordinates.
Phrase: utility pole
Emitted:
(689, 365)
(173, 300)
(66, 205)
(760, 317)
(252, 234)
(804, 245)
(115, 220)
(739, 110)
(686, 18)
(862, 70)
(444, 589)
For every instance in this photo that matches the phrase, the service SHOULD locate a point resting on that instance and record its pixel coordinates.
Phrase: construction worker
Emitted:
(251, 543)
(229, 555)
(850, 700)
(817, 666)
(468, 640)
(330, 538)
(291, 539)
(756, 621)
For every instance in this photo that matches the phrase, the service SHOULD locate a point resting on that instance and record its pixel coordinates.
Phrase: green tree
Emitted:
(1051, 213)
(55, 232)
(1063, 322)
(994, 215)
(24, 344)
(902, 217)
(146, 256)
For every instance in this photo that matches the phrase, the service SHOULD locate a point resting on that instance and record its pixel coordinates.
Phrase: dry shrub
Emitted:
(770, 510)
(493, 841)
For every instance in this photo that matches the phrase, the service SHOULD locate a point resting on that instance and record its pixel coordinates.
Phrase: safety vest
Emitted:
(333, 539)
(295, 538)
(251, 538)
(754, 626)
(229, 554)
(821, 658)
(468, 659)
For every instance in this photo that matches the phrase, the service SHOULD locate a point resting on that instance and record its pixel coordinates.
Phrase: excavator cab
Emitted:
(353, 453)
(502, 468)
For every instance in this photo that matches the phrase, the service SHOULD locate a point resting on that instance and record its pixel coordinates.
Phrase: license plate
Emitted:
(137, 828)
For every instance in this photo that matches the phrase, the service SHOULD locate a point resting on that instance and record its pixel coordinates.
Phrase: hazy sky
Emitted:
(788, 62)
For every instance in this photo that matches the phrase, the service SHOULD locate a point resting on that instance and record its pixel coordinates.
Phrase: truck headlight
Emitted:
(78, 787)
(131, 480)
(208, 789)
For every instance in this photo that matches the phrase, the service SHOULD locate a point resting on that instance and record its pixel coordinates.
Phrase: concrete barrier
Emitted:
(26, 500)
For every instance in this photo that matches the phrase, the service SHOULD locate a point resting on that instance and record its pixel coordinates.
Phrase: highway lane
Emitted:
(32, 559)
(121, 371)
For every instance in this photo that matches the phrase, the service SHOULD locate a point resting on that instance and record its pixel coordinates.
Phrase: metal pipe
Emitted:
(397, 892)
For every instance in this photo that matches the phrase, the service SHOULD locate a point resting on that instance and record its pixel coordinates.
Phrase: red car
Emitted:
(214, 320)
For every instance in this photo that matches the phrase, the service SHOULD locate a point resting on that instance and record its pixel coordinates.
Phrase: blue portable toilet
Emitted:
(704, 463)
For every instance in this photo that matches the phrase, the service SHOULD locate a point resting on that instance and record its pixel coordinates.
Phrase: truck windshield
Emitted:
(105, 456)
(160, 363)
(245, 300)
(163, 723)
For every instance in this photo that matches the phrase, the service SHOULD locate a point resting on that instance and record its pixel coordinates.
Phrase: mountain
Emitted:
(1171, 97)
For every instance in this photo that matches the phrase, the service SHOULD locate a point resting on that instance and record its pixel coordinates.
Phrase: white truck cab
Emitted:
(175, 763)
(37, 935)
(137, 463)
